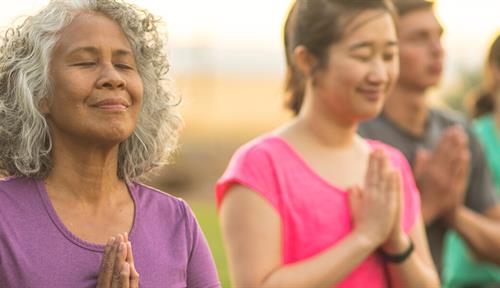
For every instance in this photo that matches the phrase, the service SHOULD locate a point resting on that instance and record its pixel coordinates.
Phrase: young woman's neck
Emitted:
(408, 109)
(325, 127)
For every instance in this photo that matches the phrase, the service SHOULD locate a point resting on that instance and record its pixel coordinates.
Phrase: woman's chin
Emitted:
(111, 137)
(368, 115)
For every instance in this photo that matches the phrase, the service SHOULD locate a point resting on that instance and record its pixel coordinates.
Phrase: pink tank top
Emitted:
(314, 213)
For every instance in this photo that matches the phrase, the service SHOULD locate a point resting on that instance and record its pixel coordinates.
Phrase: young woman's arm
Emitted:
(251, 229)
(418, 270)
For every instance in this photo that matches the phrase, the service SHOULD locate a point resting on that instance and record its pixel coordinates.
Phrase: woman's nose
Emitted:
(110, 78)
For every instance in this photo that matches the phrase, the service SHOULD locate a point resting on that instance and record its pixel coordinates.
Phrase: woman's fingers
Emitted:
(117, 266)
(134, 278)
(124, 276)
(120, 262)
(107, 264)
(130, 255)
(120, 257)
(395, 189)
(134, 275)
(375, 170)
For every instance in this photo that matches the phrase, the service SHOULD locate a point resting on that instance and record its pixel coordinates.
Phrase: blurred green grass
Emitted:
(207, 218)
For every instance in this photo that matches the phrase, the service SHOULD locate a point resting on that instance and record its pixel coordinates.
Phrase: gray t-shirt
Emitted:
(480, 194)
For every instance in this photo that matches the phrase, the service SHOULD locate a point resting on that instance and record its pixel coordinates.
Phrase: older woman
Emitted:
(83, 115)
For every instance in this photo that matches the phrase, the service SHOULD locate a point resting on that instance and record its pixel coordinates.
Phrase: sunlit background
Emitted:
(227, 62)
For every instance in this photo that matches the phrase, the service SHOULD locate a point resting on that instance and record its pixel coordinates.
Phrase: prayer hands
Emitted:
(441, 174)
(117, 266)
(376, 208)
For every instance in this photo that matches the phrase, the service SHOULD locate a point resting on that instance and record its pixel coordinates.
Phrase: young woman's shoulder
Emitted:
(259, 151)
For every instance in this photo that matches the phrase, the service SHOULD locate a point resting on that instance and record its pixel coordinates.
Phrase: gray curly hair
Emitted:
(25, 51)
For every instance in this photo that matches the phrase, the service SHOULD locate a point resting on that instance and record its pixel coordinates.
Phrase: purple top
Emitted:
(37, 250)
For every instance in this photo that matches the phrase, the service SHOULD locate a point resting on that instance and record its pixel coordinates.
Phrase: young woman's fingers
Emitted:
(395, 187)
(373, 174)
(370, 179)
(385, 171)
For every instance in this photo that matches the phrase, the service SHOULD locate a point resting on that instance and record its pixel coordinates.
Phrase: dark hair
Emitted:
(317, 24)
(406, 6)
(483, 102)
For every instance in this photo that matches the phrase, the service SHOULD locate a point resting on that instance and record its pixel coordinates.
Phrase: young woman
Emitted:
(312, 204)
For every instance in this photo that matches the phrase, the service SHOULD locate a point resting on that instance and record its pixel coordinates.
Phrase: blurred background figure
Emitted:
(461, 267)
(486, 110)
(448, 162)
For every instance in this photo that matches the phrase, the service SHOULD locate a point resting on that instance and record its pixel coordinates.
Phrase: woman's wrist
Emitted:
(450, 217)
(366, 240)
(397, 244)
(397, 254)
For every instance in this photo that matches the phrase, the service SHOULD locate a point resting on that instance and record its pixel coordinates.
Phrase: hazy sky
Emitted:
(237, 35)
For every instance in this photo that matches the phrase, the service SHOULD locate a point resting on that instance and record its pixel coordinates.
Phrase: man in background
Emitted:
(448, 163)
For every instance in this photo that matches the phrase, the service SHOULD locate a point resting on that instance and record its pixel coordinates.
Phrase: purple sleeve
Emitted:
(201, 272)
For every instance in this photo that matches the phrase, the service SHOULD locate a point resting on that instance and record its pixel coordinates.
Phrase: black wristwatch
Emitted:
(398, 258)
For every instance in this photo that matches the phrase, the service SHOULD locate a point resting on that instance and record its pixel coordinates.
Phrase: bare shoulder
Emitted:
(245, 202)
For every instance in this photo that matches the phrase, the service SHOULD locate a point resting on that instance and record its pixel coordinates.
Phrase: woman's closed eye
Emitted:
(362, 57)
(389, 56)
(85, 64)
(124, 66)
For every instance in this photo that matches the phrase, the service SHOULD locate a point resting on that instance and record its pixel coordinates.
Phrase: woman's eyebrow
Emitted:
(95, 51)
(361, 45)
(87, 49)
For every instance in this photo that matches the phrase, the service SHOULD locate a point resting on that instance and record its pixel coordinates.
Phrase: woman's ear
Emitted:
(304, 60)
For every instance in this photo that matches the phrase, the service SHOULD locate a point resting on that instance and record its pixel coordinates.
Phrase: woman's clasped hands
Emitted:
(376, 208)
(117, 265)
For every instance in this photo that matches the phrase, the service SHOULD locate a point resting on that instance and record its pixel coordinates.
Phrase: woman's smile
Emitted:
(112, 104)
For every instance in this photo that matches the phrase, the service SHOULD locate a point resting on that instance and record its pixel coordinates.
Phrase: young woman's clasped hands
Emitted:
(376, 208)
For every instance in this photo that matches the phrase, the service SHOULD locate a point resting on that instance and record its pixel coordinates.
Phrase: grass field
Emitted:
(207, 218)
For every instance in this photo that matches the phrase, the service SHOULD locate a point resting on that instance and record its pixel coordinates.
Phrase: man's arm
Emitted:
(481, 231)
(478, 223)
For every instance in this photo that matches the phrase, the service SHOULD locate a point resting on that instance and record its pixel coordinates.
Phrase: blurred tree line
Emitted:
(456, 96)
